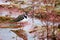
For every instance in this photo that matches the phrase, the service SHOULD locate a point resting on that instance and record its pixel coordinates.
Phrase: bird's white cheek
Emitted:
(24, 20)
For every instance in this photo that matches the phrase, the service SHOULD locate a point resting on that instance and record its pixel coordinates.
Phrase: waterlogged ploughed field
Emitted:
(29, 19)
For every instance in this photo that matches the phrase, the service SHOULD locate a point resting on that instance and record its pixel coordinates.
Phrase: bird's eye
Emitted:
(25, 16)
